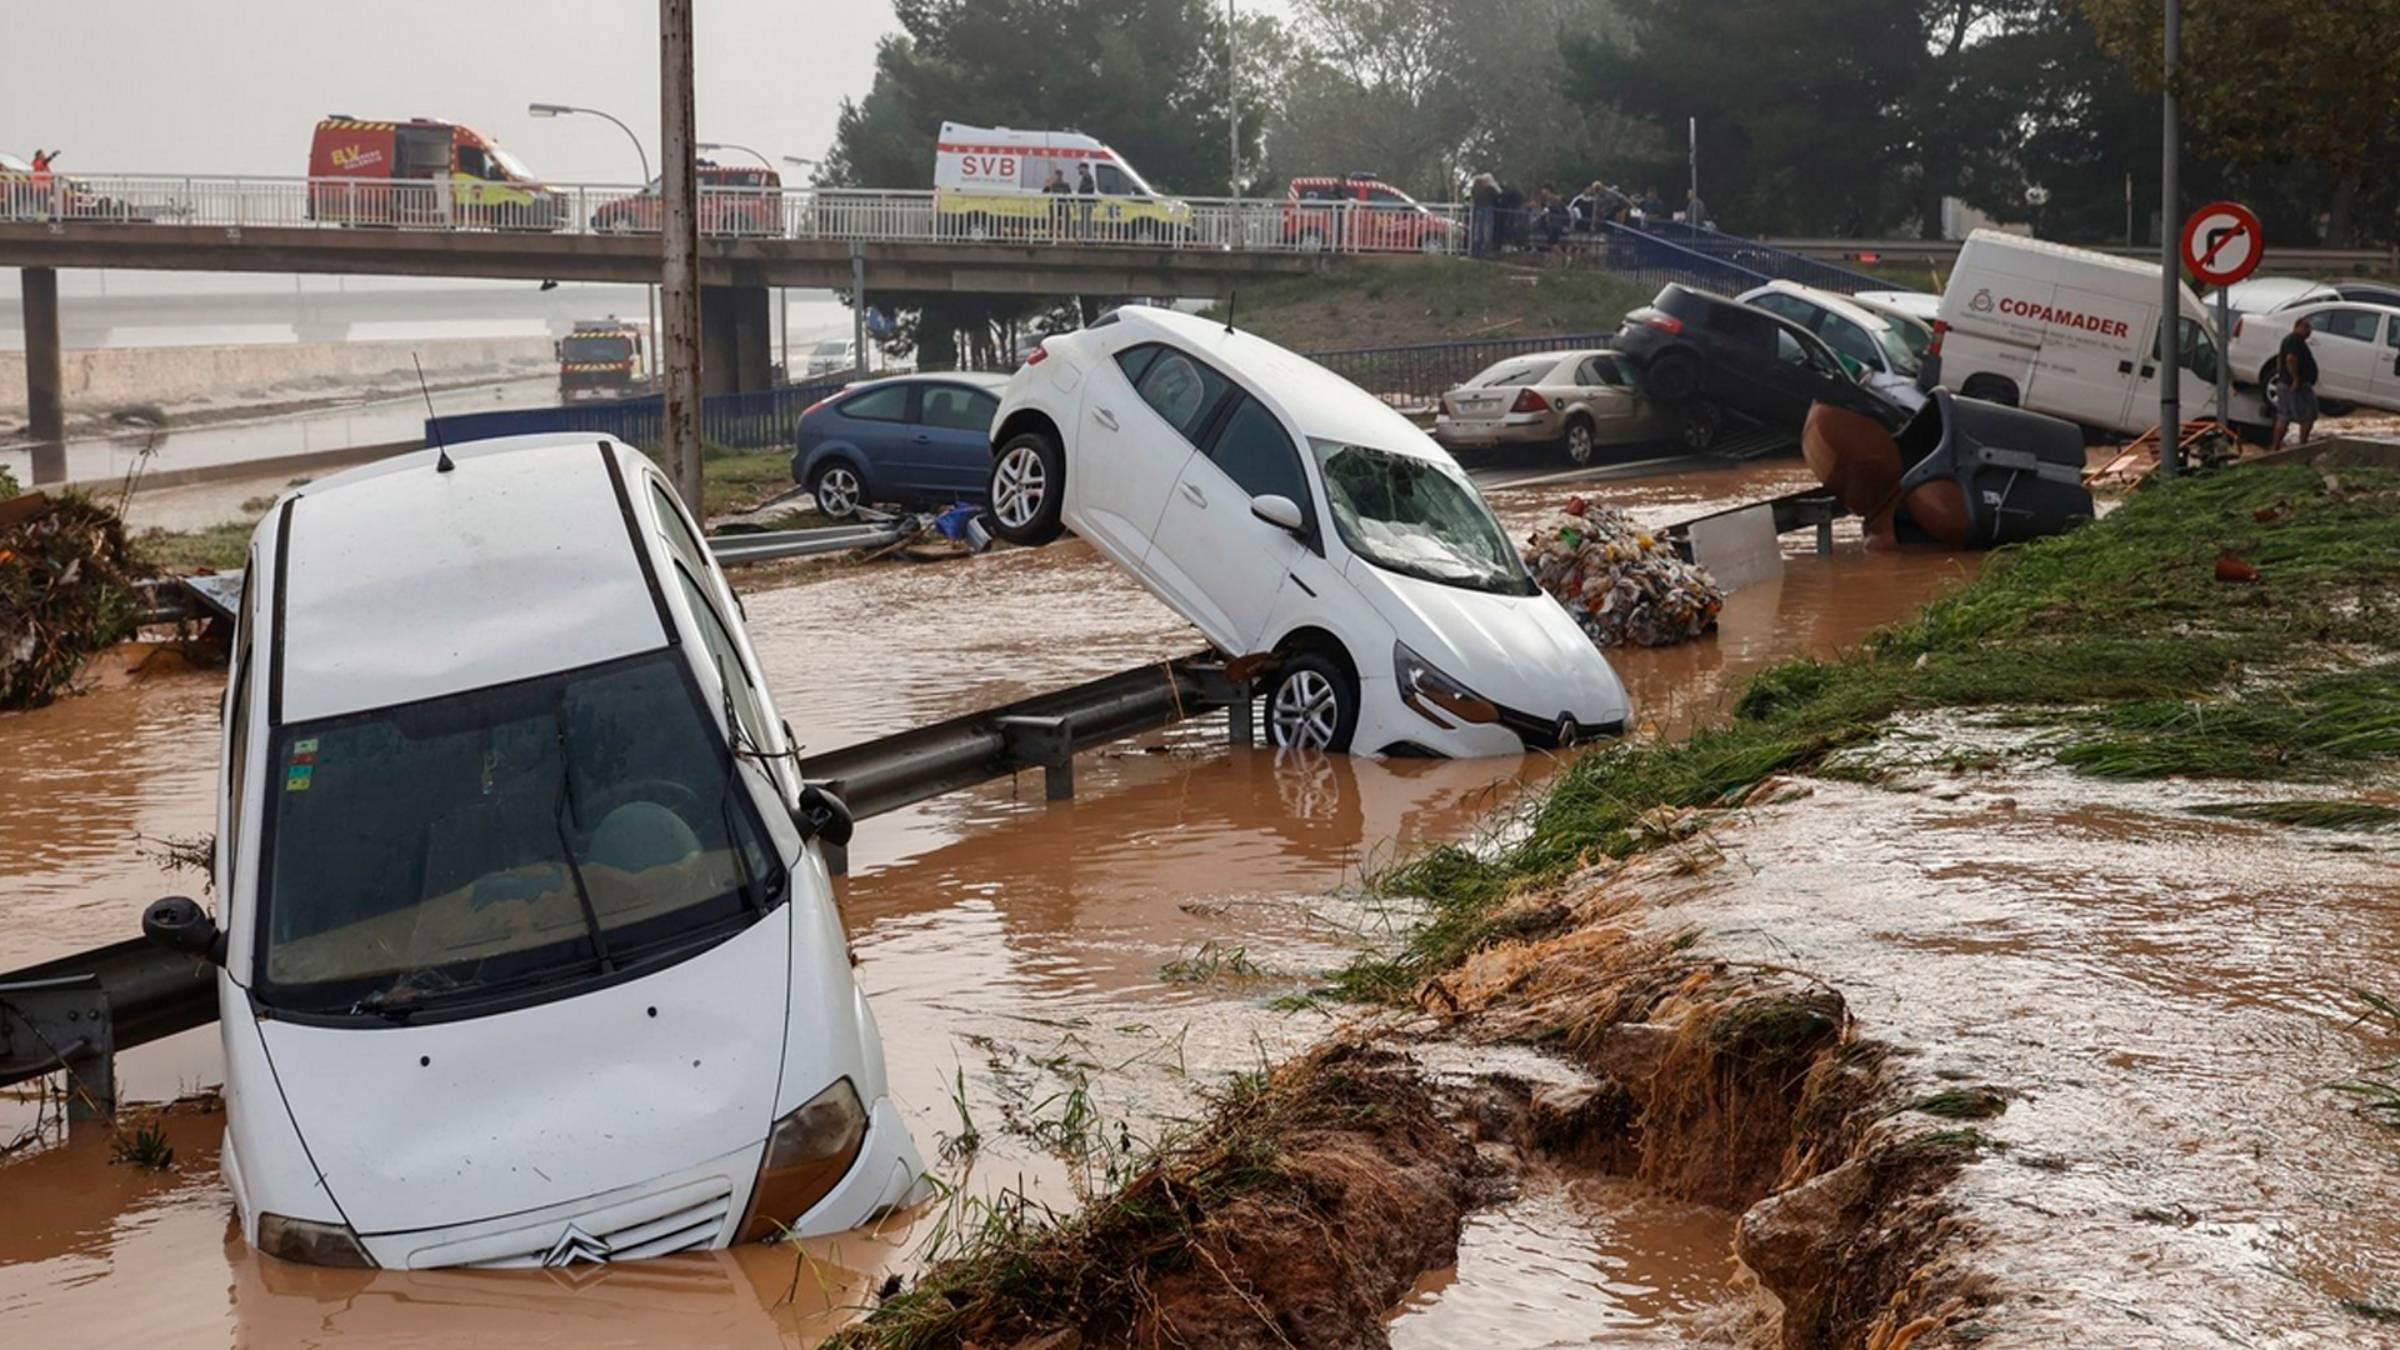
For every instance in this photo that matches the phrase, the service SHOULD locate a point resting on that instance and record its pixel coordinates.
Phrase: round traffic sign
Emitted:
(2222, 243)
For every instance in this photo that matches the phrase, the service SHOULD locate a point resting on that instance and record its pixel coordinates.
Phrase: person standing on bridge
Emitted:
(1695, 211)
(2296, 394)
(43, 182)
(1483, 201)
(1056, 186)
(1085, 190)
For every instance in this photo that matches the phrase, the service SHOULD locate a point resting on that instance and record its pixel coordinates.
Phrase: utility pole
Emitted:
(1695, 152)
(2170, 260)
(1233, 105)
(679, 194)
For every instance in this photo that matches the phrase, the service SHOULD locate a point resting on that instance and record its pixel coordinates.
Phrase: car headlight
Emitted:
(312, 1244)
(807, 1153)
(1424, 688)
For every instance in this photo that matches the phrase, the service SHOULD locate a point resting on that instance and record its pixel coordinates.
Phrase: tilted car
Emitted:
(1309, 531)
(1689, 346)
(2357, 347)
(1874, 346)
(911, 440)
(526, 951)
(1578, 401)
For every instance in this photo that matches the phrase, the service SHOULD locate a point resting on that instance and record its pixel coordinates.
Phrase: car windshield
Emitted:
(1914, 336)
(832, 347)
(1516, 373)
(596, 349)
(1417, 517)
(543, 831)
(514, 167)
(1897, 353)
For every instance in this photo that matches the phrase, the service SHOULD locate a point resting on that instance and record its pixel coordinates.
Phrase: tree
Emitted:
(2306, 84)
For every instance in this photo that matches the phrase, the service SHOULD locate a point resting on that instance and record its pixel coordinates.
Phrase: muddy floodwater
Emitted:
(1035, 967)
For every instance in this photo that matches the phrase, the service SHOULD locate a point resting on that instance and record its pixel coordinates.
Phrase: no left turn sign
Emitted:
(2222, 243)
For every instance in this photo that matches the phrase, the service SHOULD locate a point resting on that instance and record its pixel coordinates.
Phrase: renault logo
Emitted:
(1568, 732)
(575, 1245)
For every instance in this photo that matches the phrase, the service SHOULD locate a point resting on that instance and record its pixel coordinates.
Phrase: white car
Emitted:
(1923, 306)
(833, 356)
(1304, 526)
(1878, 344)
(2357, 347)
(527, 953)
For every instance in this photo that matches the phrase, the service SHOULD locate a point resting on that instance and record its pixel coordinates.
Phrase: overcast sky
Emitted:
(235, 86)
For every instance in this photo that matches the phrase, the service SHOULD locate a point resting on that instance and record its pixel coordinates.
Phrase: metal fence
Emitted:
(1275, 224)
(1417, 374)
(753, 421)
(1655, 262)
(1760, 257)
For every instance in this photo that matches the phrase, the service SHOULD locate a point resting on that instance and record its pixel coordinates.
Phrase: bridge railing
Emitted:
(865, 215)
(1757, 255)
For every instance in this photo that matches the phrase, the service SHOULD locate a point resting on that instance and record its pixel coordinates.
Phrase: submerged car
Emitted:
(1690, 346)
(1575, 400)
(527, 951)
(920, 441)
(1310, 532)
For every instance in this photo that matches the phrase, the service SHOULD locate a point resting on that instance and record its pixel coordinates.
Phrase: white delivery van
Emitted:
(987, 182)
(2069, 332)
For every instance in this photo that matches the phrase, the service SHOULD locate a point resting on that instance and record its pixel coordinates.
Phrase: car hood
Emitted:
(1522, 652)
(449, 1123)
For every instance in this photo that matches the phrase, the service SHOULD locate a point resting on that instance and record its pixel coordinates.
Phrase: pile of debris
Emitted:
(67, 589)
(1622, 583)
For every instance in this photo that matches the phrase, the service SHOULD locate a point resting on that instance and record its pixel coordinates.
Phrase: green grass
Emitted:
(1385, 301)
(223, 546)
(2308, 814)
(2118, 634)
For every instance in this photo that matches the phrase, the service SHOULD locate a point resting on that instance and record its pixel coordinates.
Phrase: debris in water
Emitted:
(66, 591)
(1621, 583)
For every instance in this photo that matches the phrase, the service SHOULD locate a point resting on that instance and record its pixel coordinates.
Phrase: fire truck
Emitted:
(424, 173)
(601, 358)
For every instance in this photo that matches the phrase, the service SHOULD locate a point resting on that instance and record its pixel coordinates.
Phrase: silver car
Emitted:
(1576, 400)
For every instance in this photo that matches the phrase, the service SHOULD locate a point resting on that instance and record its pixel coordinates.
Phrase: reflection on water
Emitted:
(1017, 952)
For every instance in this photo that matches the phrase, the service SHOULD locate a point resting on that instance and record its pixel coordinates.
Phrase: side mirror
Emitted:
(1279, 511)
(178, 924)
(823, 816)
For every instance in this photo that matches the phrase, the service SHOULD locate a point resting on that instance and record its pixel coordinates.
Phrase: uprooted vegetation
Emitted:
(67, 590)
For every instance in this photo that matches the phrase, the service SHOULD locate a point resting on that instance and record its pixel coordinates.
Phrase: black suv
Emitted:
(1705, 351)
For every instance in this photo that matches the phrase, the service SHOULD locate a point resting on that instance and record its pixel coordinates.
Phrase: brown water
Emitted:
(1123, 947)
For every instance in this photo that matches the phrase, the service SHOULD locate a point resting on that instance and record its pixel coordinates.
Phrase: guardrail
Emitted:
(1759, 255)
(1655, 262)
(76, 1011)
(1421, 372)
(735, 421)
(1272, 225)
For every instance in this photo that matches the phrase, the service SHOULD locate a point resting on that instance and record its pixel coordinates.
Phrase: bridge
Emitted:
(861, 242)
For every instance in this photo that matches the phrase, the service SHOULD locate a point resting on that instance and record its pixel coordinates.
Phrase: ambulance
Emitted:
(987, 183)
(2069, 332)
(424, 173)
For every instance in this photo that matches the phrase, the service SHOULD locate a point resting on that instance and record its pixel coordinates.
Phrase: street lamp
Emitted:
(649, 293)
(710, 147)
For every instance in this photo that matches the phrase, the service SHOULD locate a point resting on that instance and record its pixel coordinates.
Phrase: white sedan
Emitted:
(2357, 347)
(1300, 523)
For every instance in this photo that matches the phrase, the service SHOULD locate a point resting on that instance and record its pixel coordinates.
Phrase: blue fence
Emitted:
(1765, 261)
(738, 421)
(1655, 261)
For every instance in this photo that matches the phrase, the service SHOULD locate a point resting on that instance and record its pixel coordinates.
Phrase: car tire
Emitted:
(1672, 376)
(1026, 489)
(838, 489)
(1991, 389)
(1580, 442)
(1698, 427)
(1312, 704)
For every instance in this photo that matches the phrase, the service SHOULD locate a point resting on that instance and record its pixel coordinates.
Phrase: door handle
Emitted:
(1192, 490)
(2148, 371)
(2125, 367)
(1105, 418)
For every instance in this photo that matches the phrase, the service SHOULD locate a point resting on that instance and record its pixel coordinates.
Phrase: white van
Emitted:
(987, 182)
(527, 953)
(2069, 332)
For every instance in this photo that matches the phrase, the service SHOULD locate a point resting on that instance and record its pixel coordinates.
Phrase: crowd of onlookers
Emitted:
(1502, 217)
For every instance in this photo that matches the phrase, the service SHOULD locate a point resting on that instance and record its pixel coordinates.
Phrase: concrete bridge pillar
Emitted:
(45, 375)
(737, 351)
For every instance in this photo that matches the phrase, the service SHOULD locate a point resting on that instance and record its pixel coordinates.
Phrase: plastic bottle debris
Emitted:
(1621, 583)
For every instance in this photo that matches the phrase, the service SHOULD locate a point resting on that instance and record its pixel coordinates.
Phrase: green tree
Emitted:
(2304, 89)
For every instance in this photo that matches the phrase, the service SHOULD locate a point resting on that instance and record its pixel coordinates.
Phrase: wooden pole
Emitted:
(679, 291)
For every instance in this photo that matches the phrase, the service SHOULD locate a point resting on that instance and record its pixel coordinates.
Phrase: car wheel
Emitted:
(1027, 488)
(1581, 440)
(838, 490)
(1312, 705)
(2270, 379)
(1672, 376)
(1991, 389)
(1699, 426)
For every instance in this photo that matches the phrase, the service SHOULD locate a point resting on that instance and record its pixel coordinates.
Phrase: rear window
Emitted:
(1683, 304)
(888, 404)
(1520, 373)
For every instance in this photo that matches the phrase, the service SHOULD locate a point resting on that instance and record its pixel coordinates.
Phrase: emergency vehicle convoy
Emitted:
(424, 172)
(988, 181)
(602, 358)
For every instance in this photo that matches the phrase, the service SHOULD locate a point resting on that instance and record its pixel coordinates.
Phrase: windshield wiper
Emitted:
(566, 843)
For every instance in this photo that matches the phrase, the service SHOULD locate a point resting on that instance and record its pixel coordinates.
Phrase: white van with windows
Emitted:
(527, 954)
(988, 181)
(2069, 332)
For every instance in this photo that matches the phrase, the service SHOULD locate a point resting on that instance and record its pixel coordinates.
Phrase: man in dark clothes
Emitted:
(1483, 195)
(1085, 190)
(1056, 185)
(1512, 217)
(2296, 395)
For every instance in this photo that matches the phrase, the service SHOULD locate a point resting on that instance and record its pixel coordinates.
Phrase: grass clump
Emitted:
(145, 1146)
(2376, 1088)
(2308, 814)
(2118, 634)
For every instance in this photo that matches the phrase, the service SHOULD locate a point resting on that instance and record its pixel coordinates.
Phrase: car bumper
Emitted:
(1512, 429)
(1387, 726)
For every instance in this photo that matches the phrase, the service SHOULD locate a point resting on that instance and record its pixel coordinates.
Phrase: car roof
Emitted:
(1563, 354)
(400, 582)
(14, 164)
(2334, 302)
(1321, 404)
(1862, 315)
(981, 379)
(2261, 294)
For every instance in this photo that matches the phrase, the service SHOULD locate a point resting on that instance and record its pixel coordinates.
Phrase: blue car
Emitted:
(913, 441)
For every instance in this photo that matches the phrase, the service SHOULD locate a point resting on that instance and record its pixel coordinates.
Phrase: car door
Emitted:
(954, 430)
(1742, 369)
(1140, 424)
(2348, 351)
(1618, 413)
(1217, 562)
(877, 422)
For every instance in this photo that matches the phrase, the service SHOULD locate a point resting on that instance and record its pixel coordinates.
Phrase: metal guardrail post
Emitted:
(62, 1023)
(1048, 742)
